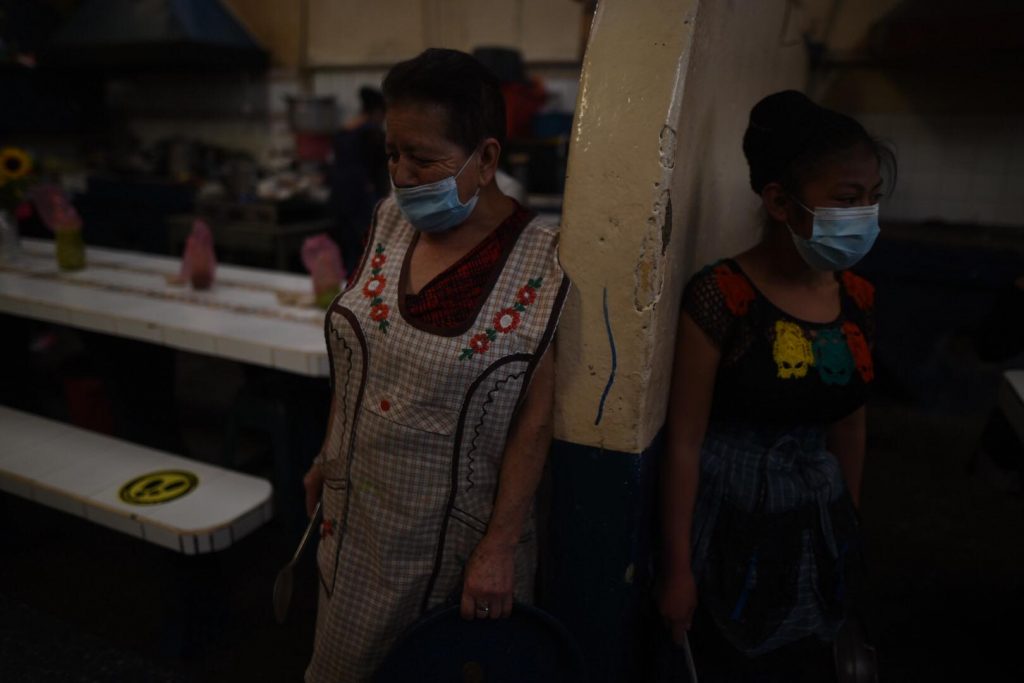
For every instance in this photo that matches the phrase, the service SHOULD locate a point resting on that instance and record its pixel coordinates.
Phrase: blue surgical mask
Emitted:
(840, 237)
(435, 207)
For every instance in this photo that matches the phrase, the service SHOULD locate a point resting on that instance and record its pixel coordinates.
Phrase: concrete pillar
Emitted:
(656, 187)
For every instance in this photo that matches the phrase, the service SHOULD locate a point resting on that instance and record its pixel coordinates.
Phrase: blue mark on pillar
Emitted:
(615, 362)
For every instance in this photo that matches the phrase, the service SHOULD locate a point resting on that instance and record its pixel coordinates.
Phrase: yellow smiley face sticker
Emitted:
(158, 487)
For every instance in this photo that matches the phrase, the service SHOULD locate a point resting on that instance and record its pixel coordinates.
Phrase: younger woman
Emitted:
(766, 416)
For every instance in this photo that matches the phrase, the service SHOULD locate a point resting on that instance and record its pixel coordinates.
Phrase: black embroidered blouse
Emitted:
(777, 368)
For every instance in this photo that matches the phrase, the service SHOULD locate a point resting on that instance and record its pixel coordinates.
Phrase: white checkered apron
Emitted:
(415, 440)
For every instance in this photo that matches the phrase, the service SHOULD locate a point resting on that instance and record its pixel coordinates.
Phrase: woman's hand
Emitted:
(677, 601)
(689, 408)
(489, 582)
(313, 482)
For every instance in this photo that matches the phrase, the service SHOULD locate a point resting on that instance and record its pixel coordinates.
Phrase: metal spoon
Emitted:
(690, 668)
(283, 582)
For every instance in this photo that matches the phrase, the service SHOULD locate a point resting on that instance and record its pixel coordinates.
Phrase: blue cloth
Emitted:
(774, 534)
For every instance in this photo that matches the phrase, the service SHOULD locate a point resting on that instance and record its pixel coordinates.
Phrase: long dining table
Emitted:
(265, 318)
(252, 315)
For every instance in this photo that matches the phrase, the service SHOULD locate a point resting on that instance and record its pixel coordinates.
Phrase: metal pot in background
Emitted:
(312, 113)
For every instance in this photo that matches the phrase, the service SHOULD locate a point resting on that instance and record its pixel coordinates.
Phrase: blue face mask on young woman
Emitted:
(435, 207)
(840, 237)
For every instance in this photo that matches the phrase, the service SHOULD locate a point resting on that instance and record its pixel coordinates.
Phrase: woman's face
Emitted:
(852, 178)
(419, 152)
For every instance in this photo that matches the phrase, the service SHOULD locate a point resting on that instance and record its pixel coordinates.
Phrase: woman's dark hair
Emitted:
(789, 136)
(462, 86)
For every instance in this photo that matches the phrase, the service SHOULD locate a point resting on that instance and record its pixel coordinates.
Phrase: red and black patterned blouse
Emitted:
(778, 368)
(449, 300)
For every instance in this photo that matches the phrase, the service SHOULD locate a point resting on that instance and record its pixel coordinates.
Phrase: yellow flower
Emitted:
(14, 163)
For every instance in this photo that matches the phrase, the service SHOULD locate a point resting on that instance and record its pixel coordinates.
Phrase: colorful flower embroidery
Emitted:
(860, 290)
(832, 357)
(735, 288)
(526, 295)
(374, 287)
(504, 321)
(792, 350)
(480, 343)
(860, 351)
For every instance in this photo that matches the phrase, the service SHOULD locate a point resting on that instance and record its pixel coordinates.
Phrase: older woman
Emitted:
(440, 417)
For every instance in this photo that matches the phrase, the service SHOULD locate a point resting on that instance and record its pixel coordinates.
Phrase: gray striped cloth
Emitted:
(774, 535)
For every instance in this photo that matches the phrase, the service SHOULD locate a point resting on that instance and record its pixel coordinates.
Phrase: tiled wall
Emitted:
(956, 169)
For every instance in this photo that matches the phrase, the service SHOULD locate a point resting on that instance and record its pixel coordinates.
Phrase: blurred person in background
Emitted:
(358, 175)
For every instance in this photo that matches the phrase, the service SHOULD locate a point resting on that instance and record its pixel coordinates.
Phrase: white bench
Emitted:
(1011, 400)
(91, 475)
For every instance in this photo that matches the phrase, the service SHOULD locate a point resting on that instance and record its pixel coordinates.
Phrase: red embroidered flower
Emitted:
(506, 320)
(480, 343)
(379, 312)
(734, 287)
(378, 260)
(860, 290)
(859, 350)
(374, 286)
(526, 295)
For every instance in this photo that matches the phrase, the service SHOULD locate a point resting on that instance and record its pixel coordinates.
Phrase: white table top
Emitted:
(128, 294)
(84, 473)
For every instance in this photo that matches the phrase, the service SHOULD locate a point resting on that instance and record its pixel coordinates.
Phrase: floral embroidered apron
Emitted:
(415, 440)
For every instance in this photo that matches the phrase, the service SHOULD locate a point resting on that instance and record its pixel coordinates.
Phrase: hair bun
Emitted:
(788, 135)
(783, 111)
(778, 128)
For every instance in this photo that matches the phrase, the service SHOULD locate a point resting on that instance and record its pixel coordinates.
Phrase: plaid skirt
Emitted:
(775, 538)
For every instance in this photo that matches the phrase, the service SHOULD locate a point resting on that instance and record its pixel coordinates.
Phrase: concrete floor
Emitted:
(946, 561)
